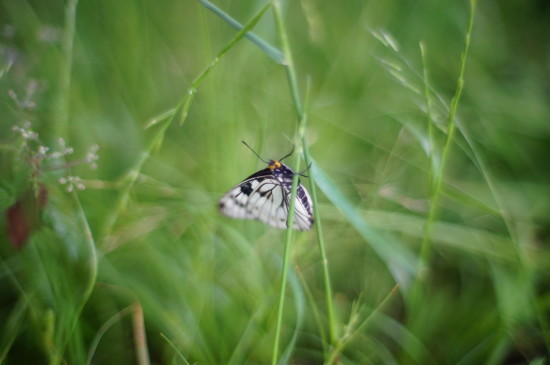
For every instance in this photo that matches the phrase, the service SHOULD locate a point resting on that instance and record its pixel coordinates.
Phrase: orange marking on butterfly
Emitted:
(274, 165)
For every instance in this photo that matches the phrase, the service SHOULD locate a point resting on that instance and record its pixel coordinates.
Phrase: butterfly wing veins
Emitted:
(265, 196)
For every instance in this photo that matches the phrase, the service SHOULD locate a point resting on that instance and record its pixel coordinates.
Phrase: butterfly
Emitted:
(265, 196)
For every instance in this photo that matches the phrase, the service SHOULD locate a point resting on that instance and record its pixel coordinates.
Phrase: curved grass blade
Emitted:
(399, 259)
(102, 330)
(12, 327)
(299, 301)
(167, 118)
(268, 49)
(178, 352)
(353, 331)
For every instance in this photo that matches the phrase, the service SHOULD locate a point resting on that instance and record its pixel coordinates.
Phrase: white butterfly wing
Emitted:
(234, 203)
(265, 199)
(303, 215)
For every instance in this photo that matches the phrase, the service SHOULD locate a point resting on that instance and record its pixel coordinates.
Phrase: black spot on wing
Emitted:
(246, 188)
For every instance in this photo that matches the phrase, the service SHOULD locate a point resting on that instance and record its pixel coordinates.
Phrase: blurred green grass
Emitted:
(210, 284)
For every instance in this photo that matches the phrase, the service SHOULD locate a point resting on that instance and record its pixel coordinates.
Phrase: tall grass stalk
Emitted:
(166, 119)
(425, 250)
(302, 118)
(525, 269)
(353, 332)
(286, 259)
(92, 263)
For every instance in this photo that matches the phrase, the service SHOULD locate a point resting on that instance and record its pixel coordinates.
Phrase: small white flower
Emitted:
(26, 132)
(92, 156)
(30, 135)
(43, 151)
(55, 155)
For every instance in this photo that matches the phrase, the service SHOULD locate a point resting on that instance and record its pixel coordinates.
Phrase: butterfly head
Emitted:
(280, 171)
(274, 165)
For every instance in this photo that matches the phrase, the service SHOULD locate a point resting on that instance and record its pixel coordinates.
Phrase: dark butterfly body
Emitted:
(265, 196)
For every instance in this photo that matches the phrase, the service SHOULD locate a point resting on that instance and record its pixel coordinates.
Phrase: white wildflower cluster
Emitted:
(92, 156)
(72, 182)
(39, 157)
(62, 150)
(58, 156)
(25, 131)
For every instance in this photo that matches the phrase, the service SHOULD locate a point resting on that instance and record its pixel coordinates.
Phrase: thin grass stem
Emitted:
(286, 259)
(268, 49)
(178, 352)
(333, 334)
(102, 330)
(315, 311)
(92, 263)
(293, 84)
(425, 250)
(167, 118)
(339, 347)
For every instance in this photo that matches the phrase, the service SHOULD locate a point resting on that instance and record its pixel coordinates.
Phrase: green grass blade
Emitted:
(355, 331)
(425, 250)
(168, 117)
(187, 105)
(299, 305)
(186, 101)
(13, 325)
(268, 49)
(333, 329)
(177, 351)
(102, 330)
(399, 259)
(286, 259)
(161, 117)
(302, 119)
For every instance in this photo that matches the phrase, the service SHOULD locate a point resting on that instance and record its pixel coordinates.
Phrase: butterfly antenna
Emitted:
(246, 144)
(301, 173)
(290, 153)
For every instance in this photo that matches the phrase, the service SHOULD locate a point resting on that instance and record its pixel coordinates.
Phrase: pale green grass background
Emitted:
(208, 286)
